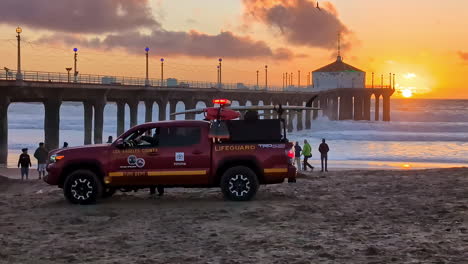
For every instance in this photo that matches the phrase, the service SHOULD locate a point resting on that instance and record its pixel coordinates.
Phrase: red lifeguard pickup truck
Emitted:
(176, 154)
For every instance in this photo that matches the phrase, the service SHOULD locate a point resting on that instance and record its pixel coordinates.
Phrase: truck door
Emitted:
(184, 155)
(130, 165)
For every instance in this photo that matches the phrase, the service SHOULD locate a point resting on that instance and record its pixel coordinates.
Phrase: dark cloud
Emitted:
(299, 21)
(463, 55)
(193, 43)
(78, 16)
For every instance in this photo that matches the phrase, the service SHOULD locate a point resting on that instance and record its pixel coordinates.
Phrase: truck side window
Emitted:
(179, 136)
(144, 138)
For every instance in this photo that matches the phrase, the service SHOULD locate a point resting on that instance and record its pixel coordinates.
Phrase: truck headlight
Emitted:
(54, 158)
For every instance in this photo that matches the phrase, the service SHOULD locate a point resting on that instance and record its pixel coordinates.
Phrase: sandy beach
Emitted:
(359, 216)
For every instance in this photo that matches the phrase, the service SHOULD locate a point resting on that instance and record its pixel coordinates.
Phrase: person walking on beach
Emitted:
(41, 154)
(25, 162)
(307, 152)
(323, 149)
(297, 155)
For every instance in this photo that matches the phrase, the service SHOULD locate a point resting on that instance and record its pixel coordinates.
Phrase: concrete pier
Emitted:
(88, 122)
(120, 117)
(149, 110)
(162, 111)
(386, 108)
(366, 107)
(376, 108)
(346, 107)
(358, 104)
(133, 105)
(299, 126)
(52, 123)
(337, 104)
(98, 120)
(172, 108)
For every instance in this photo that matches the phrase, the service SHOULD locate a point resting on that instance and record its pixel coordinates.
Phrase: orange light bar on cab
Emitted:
(221, 101)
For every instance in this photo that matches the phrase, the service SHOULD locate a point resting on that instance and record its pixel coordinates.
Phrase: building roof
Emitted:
(338, 66)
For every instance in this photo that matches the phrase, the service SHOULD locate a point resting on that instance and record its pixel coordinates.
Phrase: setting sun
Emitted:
(407, 93)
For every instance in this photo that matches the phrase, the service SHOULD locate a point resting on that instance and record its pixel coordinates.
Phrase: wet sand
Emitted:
(359, 216)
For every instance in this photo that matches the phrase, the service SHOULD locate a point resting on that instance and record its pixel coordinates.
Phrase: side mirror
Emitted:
(119, 143)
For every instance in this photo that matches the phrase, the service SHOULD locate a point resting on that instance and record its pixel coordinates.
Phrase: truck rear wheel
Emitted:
(82, 187)
(239, 183)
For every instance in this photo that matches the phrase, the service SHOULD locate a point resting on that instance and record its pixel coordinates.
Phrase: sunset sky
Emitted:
(425, 43)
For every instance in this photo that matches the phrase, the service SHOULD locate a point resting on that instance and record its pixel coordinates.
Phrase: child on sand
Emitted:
(25, 162)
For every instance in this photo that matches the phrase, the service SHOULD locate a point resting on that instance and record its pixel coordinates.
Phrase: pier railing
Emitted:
(58, 77)
(61, 77)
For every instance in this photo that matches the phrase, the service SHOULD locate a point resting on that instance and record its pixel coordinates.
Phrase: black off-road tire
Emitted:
(82, 187)
(239, 184)
(108, 192)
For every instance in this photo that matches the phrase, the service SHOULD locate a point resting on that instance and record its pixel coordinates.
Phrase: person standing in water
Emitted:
(323, 149)
(25, 162)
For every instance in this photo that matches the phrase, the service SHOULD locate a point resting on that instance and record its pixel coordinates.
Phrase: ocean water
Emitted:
(422, 133)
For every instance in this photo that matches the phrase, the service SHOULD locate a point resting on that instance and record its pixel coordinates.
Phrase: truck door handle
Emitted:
(197, 152)
(153, 153)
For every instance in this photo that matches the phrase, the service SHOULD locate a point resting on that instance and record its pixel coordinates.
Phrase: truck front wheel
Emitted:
(82, 187)
(239, 183)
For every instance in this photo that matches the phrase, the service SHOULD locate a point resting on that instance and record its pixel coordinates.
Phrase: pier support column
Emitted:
(324, 106)
(315, 112)
(98, 120)
(190, 105)
(299, 121)
(52, 123)
(377, 108)
(308, 121)
(133, 113)
(366, 105)
(4, 103)
(290, 126)
(357, 108)
(149, 111)
(88, 122)
(172, 109)
(269, 114)
(120, 118)
(162, 110)
(386, 108)
(346, 107)
(333, 107)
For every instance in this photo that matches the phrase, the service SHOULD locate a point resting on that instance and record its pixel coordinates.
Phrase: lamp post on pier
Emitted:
(266, 77)
(220, 72)
(75, 78)
(7, 71)
(68, 71)
(162, 71)
(19, 76)
(257, 80)
(298, 79)
(147, 83)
